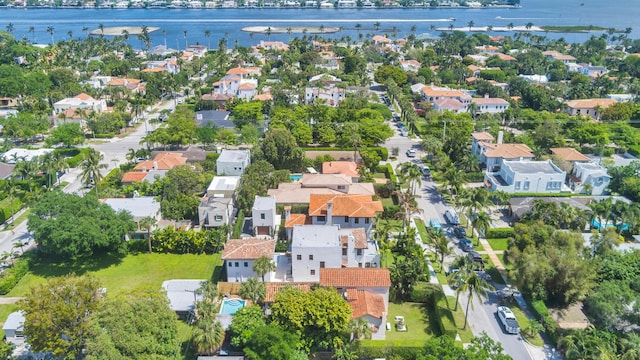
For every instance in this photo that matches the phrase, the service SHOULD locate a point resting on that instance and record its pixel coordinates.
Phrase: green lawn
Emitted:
(490, 268)
(422, 230)
(18, 220)
(417, 319)
(386, 202)
(499, 244)
(132, 271)
(379, 176)
(458, 316)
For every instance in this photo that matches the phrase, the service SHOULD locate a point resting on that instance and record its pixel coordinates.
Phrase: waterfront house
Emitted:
(558, 56)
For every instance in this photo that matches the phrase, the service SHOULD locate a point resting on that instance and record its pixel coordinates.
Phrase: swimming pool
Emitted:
(230, 306)
(295, 177)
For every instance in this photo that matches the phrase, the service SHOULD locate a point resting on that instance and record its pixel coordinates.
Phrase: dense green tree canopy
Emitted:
(70, 226)
(134, 325)
(244, 323)
(272, 342)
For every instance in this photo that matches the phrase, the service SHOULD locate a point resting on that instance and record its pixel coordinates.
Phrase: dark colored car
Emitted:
(460, 232)
(467, 245)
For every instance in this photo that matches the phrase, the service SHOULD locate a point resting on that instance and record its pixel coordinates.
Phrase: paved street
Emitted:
(482, 317)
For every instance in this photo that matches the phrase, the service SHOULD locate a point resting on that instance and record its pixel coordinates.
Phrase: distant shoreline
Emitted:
(256, 7)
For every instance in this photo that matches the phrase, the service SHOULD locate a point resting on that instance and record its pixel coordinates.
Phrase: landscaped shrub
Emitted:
(75, 160)
(500, 233)
(399, 349)
(237, 228)
(445, 317)
(382, 151)
(426, 293)
(542, 314)
(477, 176)
(391, 212)
(6, 210)
(13, 275)
(102, 136)
(634, 150)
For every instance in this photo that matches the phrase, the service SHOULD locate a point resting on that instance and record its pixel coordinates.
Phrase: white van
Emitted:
(452, 217)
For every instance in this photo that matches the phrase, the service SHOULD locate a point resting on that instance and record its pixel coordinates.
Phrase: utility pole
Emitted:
(444, 131)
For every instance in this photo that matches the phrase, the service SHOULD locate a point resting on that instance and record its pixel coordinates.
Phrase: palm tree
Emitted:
(51, 164)
(207, 336)
(410, 173)
(70, 34)
(147, 223)
(263, 265)
(253, 290)
(489, 28)
(510, 26)
(358, 27)
(207, 34)
(32, 30)
(455, 279)
(469, 162)
(473, 286)
(376, 25)
(91, 167)
(10, 28)
(12, 190)
(529, 25)
(431, 144)
(289, 30)
(360, 329)
(440, 245)
(470, 24)
(50, 31)
(481, 222)
(453, 179)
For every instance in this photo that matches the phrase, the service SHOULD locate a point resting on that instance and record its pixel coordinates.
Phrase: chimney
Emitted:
(287, 213)
(500, 137)
(329, 212)
(486, 96)
(155, 165)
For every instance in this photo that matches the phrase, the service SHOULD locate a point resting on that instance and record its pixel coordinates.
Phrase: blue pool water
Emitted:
(230, 307)
(295, 177)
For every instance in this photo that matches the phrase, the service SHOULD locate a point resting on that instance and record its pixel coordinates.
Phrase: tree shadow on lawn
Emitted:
(54, 266)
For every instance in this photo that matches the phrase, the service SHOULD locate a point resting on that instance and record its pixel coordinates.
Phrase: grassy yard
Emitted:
(132, 271)
(458, 316)
(386, 202)
(18, 220)
(422, 230)
(416, 316)
(499, 244)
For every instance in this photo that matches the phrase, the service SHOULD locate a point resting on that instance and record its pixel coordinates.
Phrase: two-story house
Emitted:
(487, 105)
(233, 162)
(432, 94)
(300, 191)
(348, 211)
(558, 56)
(80, 102)
(264, 217)
(478, 141)
(589, 178)
(240, 254)
(526, 176)
(366, 291)
(332, 95)
(588, 107)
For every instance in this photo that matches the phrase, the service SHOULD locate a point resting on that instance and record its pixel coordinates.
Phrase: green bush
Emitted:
(391, 212)
(6, 210)
(102, 136)
(382, 151)
(634, 150)
(445, 317)
(542, 314)
(13, 275)
(75, 160)
(476, 176)
(399, 349)
(426, 293)
(608, 152)
(500, 233)
(237, 227)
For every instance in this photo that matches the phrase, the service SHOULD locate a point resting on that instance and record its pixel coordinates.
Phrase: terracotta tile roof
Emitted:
(411, 63)
(297, 219)
(164, 161)
(490, 101)
(355, 277)
(365, 303)
(252, 248)
(429, 91)
(348, 168)
(133, 176)
(153, 70)
(274, 287)
(84, 97)
(482, 136)
(448, 103)
(216, 97)
(569, 154)
(359, 237)
(474, 68)
(237, 71)
(558, 55)
(246, 86)
(510, 151)
(505, 57)
(378, 38)
(344, 205)
(590, 103)
(263, 97)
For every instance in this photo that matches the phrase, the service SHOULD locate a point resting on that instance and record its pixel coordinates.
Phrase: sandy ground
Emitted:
(117, 30)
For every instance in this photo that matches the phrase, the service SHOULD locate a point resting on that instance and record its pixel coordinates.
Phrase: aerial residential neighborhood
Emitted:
(461, 196)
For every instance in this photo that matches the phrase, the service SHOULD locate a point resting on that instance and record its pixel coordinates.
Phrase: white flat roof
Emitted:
(224, 183)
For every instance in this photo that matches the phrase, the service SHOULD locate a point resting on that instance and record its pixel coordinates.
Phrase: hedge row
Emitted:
(102, 136)
(237, 227)
(476, 176)
(523, 194)
(382, 151)
(13, 275)
(500, 233)
(398, 349)
(6, 211)
(387, 170)
(74, 155)
(634, 150)
(445, 317)
(542, 314)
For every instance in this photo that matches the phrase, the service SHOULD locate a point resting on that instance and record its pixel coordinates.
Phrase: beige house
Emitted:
(588, 107)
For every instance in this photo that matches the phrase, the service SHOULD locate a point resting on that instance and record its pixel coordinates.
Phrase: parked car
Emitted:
(435, 224)
(467, 245)
(404, 133)
(411, 153)
(508, 320)
(459, 232)
(452, 216)
(476, 258)
(426, 172)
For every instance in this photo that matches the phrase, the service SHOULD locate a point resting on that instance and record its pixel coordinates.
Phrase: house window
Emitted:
(262, 216)
(341, 187)
(217, 218)
(346, 219)
(525, 186)
(299, 257)
(321, 264)
(246, 264)
(359, 265)
(367, 265)
(517, 185)
(322, 218)
(237, 264)
(313, 271)
(356, 220)
(599, 181)
(310, 257)
(230, 264)
(366, 220)
(359, 252)
(344, 251)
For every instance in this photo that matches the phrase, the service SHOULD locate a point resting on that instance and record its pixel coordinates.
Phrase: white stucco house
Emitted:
(240, 254)
(589, 173)
(81, 102)
(233, 162)
(224, 186)
(215, 211)
(527, 176)
(347, 211)
(487, 105)
(263, 214)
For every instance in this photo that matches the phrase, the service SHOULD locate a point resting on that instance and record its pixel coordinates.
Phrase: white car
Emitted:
(411, 153)
(508, 320)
